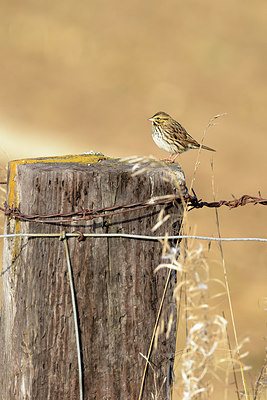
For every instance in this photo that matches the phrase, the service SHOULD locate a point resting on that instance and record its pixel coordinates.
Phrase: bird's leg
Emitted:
(171, 159)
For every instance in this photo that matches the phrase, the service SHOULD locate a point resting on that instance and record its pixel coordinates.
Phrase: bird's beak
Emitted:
(151, 119)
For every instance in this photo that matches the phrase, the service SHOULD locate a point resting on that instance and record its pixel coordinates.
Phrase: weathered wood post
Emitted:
(117, 292)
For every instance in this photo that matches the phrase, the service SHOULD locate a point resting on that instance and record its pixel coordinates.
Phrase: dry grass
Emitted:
(208, 359)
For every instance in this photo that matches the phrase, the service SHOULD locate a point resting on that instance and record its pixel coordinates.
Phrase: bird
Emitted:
(170, 136)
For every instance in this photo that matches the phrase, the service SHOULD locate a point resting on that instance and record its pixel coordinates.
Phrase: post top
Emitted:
(97, 161)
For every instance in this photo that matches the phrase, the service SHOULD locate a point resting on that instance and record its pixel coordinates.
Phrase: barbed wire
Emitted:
(86, 214)
(242, 201)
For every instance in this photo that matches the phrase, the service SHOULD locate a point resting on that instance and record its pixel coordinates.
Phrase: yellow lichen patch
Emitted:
(76, 158)
(13, 197)
(72, 158)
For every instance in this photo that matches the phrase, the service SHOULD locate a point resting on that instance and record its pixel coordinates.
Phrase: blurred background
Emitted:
(84, 76)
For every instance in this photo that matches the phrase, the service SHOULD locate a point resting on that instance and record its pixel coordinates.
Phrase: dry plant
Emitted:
(260, 392)
(205, 330)
(207, 351)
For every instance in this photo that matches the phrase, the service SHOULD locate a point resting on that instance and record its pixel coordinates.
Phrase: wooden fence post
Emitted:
(117, 292)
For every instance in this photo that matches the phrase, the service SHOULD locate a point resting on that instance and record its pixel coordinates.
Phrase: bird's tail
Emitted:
(207, 148)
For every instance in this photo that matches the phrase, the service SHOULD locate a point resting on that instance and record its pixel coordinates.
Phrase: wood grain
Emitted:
(117, 291)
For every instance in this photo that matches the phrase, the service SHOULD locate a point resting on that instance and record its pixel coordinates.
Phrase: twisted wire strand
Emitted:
(133, 236)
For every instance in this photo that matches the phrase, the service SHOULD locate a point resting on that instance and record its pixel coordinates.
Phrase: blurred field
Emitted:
(82, 76)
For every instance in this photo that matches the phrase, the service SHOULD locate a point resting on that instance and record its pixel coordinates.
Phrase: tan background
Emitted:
(76, 76)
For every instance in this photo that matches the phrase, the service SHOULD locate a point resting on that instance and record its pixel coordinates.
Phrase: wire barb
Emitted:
(80, 237)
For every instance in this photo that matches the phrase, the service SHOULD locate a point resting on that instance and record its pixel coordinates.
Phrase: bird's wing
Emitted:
(181, 135)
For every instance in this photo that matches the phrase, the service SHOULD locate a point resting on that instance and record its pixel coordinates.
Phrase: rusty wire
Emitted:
(86, 214)
(242, 201)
